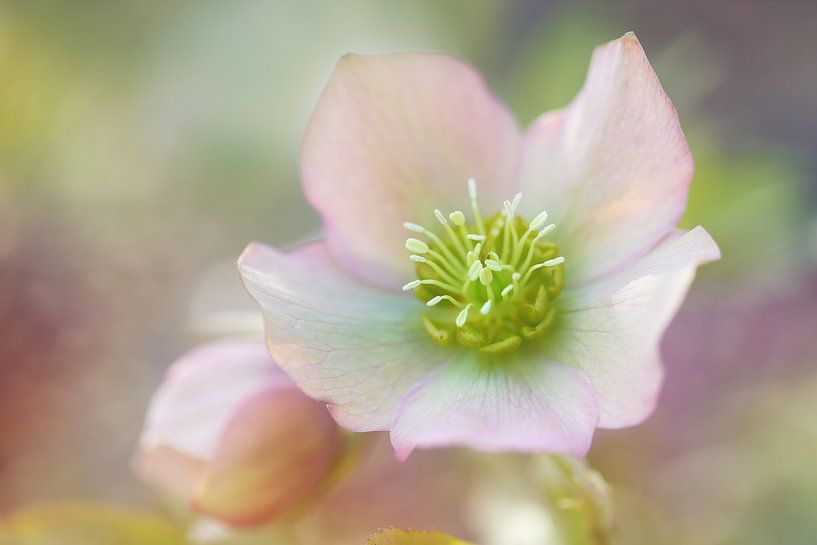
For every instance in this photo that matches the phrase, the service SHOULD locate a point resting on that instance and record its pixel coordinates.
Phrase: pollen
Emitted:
(488, 284)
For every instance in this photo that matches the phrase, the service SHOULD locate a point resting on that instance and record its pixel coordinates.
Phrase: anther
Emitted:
(506, 290)
(440, 217)
(486, 308)
(418, 258)
(411, 285)
(546, 231)
(473, 272)
(538, 221)
(515, 202)
(416, 246)
(486, 276)
(457, 218)
(494, 265)
(477, 238)
(472, 188)
(463, 315)
(414, 227)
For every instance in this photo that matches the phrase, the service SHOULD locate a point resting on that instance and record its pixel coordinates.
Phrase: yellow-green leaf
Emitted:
(86, 523)
(395, 536)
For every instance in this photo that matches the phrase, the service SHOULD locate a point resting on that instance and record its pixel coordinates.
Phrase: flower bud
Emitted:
(230, 434)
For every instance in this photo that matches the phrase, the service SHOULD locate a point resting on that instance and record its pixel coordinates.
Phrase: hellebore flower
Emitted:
(231, 434)
(527, 329)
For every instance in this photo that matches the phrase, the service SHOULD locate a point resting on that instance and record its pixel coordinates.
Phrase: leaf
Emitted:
(396, 536)
(86, 523)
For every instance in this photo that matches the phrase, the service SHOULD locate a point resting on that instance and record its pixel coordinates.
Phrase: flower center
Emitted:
(489, 284)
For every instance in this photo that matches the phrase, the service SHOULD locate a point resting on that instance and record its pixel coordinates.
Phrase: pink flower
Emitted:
(521, 335)
(229, 433)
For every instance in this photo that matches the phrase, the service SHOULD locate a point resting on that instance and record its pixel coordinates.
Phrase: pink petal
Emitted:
(202, 391)
(277, 449)
(612, 328)
(343, 342)
(613, 167)
(516, 404)
(393, 137)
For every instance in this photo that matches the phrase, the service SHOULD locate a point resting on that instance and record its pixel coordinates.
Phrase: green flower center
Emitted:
(488, 284)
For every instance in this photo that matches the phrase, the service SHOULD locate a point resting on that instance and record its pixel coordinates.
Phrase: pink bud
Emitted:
(229, 433)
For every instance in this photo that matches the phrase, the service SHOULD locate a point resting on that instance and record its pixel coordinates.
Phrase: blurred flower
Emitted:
(537, 350)
(231, 434)
(547, 499)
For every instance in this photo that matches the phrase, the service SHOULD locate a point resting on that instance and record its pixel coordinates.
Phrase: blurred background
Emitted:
(144, 143)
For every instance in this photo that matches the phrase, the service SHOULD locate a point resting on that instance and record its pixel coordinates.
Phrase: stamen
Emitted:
(434, 300)
(451, 234)
(463, 315)
(411, 285)
(414, 227)
(549, 263)
(416, 246)
(472, 193)
(515, 203)
(493, 265)
(538, 221)
(474, 271)
(486, 308)
(450, 277)
(457, 218)
(506, 290)
(486, 276)
(478, 238)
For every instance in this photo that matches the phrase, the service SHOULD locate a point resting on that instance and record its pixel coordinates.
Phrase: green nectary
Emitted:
(489, 284)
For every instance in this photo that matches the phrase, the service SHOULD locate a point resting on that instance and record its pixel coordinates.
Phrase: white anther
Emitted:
(506, 290)
(434, 300)
(478, 238)
(416, 246)
(493, 265)
(463, 315)
(474, 253)
(508, 209)
(486, 276)
(555, 261)
(546, 231)
(474, 270)
(516, 276)
(538, 221)
(414, 227)
(411, 285)
(486, 308)
(418, 258)
(493, 256)
(440, 216)
(457, 218)
(515, 202)
(472, 188)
